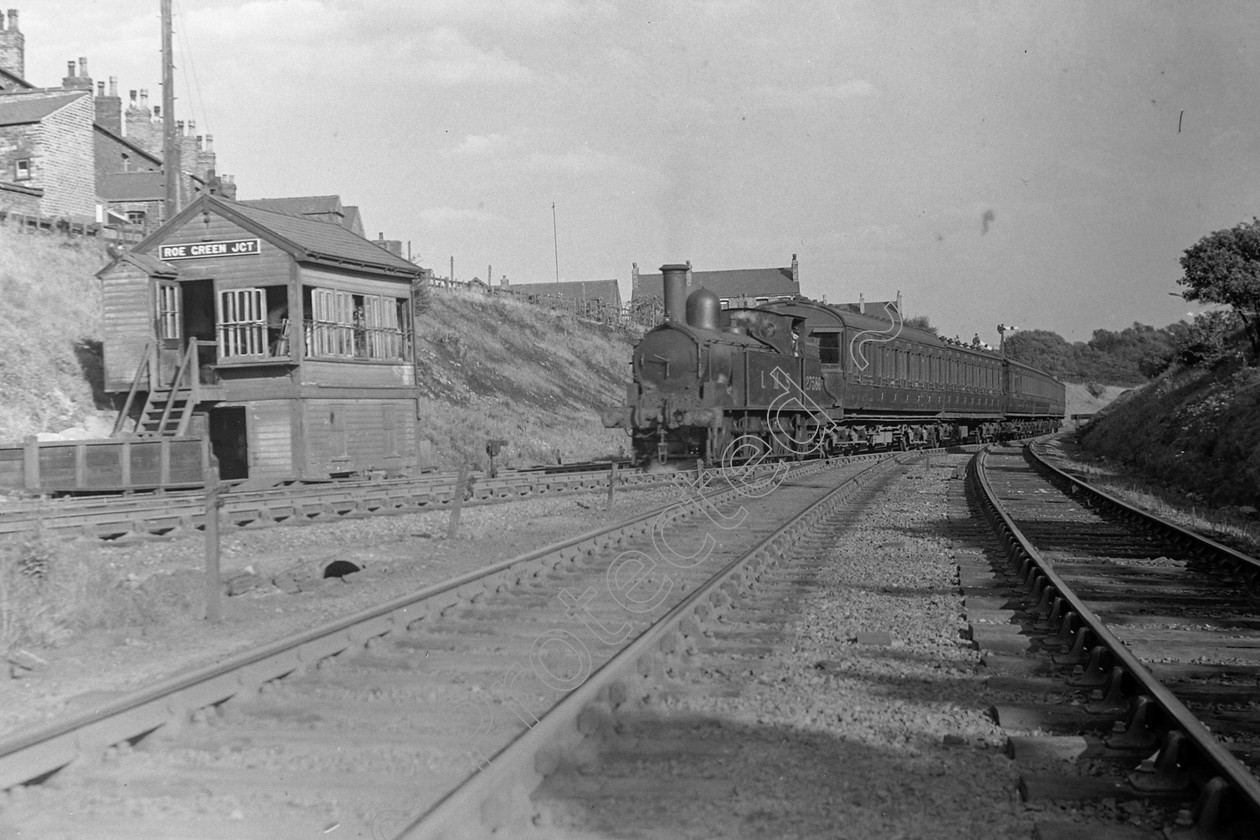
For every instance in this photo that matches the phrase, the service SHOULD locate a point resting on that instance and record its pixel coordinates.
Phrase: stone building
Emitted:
(72, 151)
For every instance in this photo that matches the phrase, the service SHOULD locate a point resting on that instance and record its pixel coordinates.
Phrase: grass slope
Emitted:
(496, 368)
(50, 326)
(1195, 429)
(1082, 399)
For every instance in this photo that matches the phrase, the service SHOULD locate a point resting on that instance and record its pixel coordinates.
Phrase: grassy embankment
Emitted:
(495, 368)
(50, 326)
(1194, 430)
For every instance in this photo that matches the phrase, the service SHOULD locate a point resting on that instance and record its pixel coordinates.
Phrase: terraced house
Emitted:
(72, 153)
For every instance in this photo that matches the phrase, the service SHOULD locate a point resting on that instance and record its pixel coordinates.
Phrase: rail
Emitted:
(1039, 575)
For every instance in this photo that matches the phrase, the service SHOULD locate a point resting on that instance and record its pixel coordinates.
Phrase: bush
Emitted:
(1212, 339)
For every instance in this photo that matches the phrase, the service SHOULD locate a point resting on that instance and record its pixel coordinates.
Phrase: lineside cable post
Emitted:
(452, 526)
(213, 503)
(612, 482)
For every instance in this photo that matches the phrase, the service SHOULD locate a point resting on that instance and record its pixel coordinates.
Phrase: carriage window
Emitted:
(829, 348)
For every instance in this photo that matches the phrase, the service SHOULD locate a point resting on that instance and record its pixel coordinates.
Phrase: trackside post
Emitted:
(452, 526)
(213, 503)
(612, 482)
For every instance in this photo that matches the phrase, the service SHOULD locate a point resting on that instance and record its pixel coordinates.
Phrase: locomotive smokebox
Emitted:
(702, 310)
(675, 277)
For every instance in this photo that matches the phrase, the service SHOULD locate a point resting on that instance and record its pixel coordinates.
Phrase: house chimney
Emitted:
(796, 274)
(109, 107)
(12, 46)
(83, 67)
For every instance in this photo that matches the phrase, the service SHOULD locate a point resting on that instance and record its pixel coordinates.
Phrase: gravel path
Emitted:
(867, 719)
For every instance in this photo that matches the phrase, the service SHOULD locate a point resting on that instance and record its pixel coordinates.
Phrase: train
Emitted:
(793, 376)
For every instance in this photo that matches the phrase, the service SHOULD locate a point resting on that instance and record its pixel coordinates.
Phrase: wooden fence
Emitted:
(104, 464)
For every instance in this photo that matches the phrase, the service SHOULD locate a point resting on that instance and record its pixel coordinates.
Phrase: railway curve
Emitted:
(1129, 646)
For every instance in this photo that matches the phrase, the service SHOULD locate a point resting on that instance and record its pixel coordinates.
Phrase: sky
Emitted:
(1040, 165)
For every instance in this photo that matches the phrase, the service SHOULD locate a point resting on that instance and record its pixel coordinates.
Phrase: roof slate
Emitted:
(322, 241)
(16, 109)
(132, 186)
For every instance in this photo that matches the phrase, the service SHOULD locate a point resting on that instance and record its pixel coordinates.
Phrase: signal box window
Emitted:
(344, 325)
(253, 323)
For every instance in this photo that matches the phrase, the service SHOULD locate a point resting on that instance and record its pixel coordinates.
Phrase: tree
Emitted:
(920, 322)
(1210, 340)
(1224, 267)
(1043, 349)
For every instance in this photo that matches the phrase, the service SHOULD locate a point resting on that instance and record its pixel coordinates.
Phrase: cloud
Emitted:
(315, 40)
(583, 161)
(441, 216)
(479, 145)
(814, 96)
(873, 237)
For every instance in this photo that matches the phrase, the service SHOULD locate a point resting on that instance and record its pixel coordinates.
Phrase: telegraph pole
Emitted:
(170, 143)
(555, 240)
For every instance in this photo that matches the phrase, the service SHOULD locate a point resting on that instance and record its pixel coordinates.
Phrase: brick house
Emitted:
(46, 146)
(71, 152)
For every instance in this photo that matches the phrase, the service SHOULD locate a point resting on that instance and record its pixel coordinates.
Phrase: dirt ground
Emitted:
(165, 632)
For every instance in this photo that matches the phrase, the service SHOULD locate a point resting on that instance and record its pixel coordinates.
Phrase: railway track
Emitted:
(434, 715)
(118, 517)
(1127, 651)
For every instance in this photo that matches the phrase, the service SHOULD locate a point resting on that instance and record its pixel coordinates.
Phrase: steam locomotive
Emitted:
(796, 376)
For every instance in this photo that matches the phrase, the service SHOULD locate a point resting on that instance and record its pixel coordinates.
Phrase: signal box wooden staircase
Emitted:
(167, 412)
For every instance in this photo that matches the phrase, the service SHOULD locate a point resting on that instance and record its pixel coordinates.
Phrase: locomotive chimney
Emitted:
(675, 277)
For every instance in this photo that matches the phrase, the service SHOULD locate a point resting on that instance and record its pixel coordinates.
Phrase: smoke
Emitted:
(984, 221)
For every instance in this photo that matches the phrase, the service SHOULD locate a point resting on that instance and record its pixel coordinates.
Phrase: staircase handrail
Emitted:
(188, 361)
(142, 373)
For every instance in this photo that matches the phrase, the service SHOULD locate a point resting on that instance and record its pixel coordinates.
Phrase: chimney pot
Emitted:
(69, 68)
(133, 98)
(113, 85)
(83, 67)
(100, 88)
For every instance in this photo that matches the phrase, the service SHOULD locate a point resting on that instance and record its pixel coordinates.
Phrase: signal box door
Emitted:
(169, 331)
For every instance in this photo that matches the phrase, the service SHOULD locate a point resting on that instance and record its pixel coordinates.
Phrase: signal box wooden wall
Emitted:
(299, 331)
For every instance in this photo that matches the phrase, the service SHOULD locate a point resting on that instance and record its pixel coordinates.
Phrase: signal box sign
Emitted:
(202, 250)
